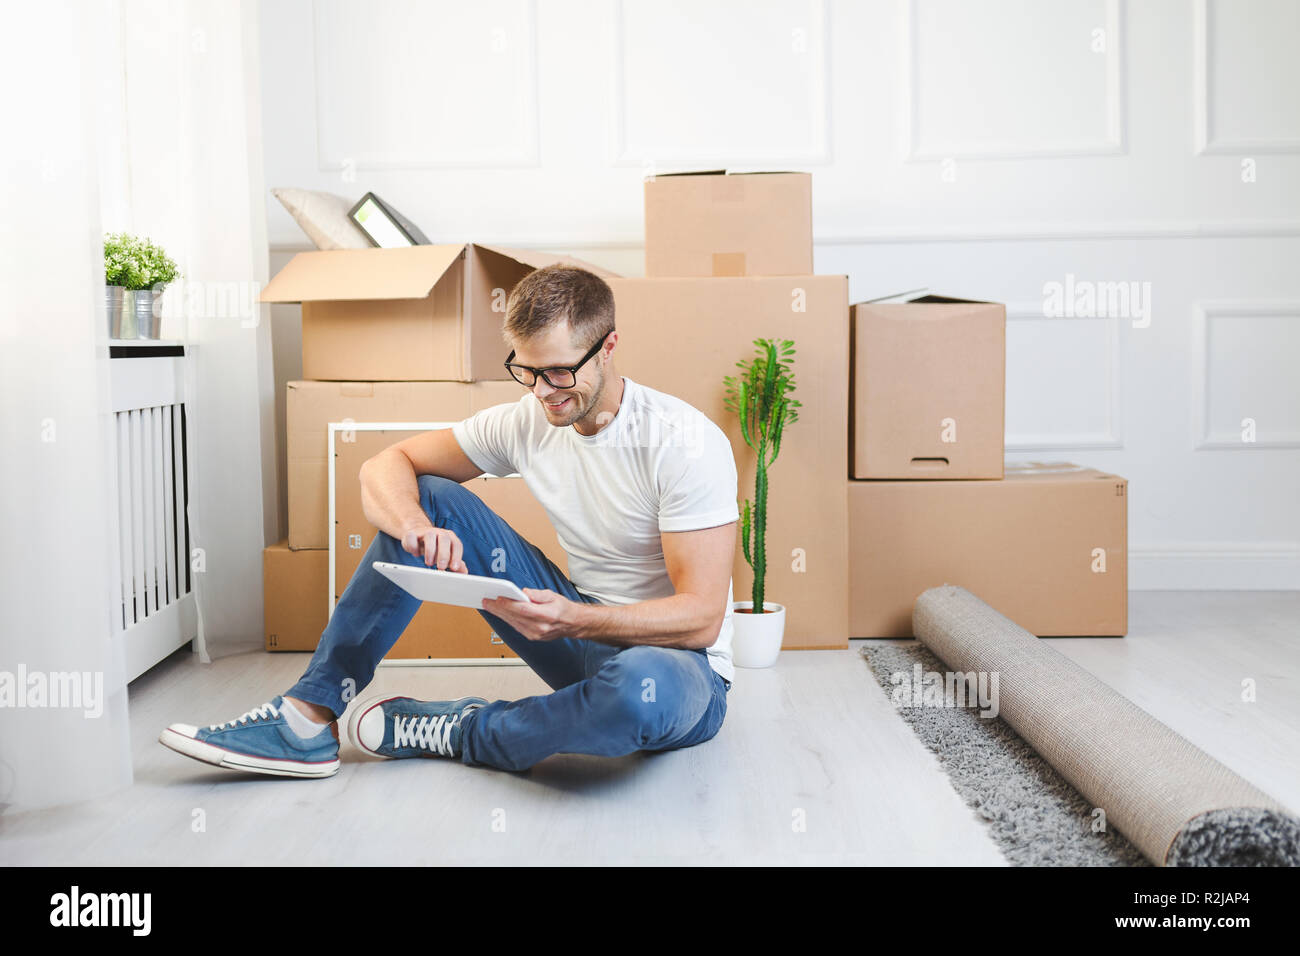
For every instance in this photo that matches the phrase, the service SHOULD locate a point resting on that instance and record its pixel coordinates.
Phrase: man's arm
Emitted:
(699, 564)
(390, 492)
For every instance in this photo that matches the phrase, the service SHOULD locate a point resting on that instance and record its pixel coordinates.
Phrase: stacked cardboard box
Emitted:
(909, 395)
(390, 337)
(930, 502)
(729, 260)
(413, 335)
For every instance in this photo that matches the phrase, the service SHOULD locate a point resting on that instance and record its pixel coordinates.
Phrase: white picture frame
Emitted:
(334, 428)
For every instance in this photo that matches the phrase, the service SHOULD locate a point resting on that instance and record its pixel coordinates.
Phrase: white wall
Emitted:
(977, 148)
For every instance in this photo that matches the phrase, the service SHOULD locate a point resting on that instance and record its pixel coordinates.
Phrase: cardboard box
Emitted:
(681, 336)
(928, 389)
(295, 588)
(438, 631)
(728, 224)
(423, 313)
(311, 406)
(1047, 547)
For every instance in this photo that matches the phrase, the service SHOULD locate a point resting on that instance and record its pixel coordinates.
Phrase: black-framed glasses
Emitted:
(558, 376)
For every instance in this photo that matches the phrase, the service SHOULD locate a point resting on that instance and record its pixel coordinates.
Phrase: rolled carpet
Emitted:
(1176, 803)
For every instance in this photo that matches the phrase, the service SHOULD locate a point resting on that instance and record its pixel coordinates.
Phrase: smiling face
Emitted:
(582, 404)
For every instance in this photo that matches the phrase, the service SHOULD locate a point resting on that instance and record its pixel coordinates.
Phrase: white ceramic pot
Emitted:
(756, 638)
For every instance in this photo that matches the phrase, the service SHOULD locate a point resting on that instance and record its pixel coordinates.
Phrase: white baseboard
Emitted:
(1223, 567)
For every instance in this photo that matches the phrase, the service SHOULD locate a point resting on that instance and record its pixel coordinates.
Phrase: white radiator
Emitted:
(153, 602)
(152, 494)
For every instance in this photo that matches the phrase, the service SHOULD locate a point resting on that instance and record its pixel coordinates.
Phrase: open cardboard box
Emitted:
(423, 313)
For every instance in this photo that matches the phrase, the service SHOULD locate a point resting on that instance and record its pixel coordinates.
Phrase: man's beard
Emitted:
(596, 395)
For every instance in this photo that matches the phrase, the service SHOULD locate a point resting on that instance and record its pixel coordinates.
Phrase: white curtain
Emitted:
(138, 116)
(59, 527)
(185, 156)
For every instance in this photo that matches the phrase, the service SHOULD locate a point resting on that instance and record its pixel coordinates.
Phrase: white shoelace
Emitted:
(257, 713)
(425, 732)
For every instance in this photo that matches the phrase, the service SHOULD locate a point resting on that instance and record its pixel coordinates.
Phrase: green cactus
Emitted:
(760, 398)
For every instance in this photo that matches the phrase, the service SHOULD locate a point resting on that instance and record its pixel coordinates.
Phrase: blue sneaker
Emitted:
(398, 727)
(260, 742)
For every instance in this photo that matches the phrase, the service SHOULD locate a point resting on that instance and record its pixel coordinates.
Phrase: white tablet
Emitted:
(448, 587)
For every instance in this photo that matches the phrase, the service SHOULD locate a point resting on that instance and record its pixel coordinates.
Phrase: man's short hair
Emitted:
(557, 294)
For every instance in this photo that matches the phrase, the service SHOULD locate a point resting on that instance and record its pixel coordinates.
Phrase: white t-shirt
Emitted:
(659, 465)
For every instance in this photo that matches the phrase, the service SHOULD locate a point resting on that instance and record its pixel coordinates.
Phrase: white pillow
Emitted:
(324, 217)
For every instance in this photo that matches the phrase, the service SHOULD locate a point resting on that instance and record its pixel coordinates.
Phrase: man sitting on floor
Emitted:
(641, 489)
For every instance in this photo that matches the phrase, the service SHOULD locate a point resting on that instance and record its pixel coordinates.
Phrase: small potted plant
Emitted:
(120, 270)
(760, 397)
(135, 273)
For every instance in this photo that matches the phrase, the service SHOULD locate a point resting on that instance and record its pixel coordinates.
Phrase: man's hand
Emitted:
(439, 547)
(544, 617)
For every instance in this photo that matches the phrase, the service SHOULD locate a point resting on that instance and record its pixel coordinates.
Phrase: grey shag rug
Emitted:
(1174, 802)
(1238, 836)
(1035, 817)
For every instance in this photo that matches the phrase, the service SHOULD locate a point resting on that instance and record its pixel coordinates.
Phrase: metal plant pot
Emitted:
(113, 295)
(148, 317)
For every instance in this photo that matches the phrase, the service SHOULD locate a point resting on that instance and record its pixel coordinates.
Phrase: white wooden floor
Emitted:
(811, 741)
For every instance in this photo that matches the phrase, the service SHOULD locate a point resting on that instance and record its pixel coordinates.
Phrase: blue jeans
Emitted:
(607, 700)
